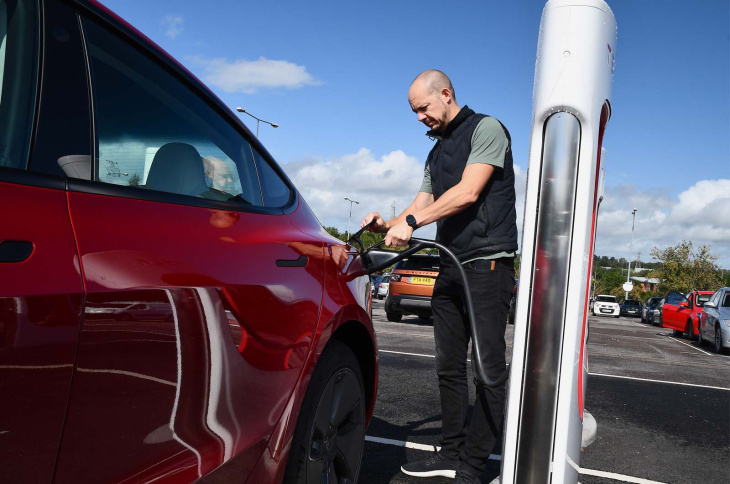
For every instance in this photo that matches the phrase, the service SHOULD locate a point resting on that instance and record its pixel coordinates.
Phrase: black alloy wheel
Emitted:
(330, 434)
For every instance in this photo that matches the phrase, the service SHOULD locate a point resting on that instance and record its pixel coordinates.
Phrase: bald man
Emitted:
(468, 190)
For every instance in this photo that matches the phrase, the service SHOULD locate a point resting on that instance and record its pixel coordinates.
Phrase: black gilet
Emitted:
(489, 225)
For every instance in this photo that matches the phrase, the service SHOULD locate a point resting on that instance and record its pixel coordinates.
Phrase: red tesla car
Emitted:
(170, 308)
(681, 312)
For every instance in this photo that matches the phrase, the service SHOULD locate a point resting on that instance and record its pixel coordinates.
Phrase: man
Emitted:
(468, 190)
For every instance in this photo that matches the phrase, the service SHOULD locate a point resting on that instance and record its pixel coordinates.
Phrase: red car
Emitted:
(681, 312)
(170, 308)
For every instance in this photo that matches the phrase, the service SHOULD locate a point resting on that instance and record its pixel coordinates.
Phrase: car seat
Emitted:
(177, 168)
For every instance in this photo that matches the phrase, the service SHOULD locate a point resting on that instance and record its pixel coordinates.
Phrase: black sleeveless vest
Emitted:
(489, 225)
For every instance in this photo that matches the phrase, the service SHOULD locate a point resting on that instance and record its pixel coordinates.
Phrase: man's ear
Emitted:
(446, 95)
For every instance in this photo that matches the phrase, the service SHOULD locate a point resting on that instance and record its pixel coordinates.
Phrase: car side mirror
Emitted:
(709, 304)
(683, 304)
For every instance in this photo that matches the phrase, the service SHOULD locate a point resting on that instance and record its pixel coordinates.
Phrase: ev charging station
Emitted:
(548, 374)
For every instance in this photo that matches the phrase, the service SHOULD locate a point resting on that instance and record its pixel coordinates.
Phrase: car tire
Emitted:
(393, 317)
(717, 342)
(661, 321)
(677, 333)
(330, 434)
(690, 330)
(700, 340)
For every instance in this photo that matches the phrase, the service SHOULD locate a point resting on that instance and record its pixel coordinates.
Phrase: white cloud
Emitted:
(173, 24)
(698, 214)
(250, 76)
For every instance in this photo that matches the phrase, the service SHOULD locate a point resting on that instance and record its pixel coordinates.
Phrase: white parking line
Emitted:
(413, 445)
(435, 448)
(590, 373)
(693, 347)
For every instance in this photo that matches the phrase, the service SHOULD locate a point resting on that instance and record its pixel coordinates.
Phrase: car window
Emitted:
(611, 299)
(674, 298)
(18, 78)
(632, 302)
(419, 264)
(153, 132)
(701, 299)
(726, 300)
(275, 192)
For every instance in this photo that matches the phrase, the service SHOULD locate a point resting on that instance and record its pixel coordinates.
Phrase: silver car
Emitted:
(714, 321)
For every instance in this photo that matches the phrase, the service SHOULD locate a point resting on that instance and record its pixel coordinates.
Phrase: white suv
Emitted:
(606, 306)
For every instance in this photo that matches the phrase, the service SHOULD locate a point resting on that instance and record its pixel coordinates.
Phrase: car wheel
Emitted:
(393, 317)
(661, 321)
(717, 346)
(330, 435)
(677, 333)
(690, 330)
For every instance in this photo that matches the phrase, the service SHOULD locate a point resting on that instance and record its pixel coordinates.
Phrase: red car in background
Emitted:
(170, 308)
(680, 312)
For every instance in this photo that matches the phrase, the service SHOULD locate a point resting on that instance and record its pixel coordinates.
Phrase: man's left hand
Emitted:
(399, 235)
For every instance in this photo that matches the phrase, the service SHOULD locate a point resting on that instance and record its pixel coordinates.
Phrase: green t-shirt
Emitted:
(489, 145)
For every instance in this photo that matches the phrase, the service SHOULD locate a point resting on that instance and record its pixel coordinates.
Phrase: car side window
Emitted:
(153, 132)
(19, 57)
(274, 190)
(673, 298)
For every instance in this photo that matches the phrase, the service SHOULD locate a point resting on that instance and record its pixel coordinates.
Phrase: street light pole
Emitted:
(631, 248)
(273, 125)
(347, 234)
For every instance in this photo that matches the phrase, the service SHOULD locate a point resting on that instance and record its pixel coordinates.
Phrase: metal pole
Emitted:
(347, 234)
(631, 248)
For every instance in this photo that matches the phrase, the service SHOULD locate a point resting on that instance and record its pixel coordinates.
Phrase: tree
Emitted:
(333, 232)
(683, 270)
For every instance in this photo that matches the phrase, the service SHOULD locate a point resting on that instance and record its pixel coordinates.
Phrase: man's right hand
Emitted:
(378, 226)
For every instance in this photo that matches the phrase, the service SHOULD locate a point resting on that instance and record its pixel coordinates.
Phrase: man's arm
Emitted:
(422, 200)
(457, 198)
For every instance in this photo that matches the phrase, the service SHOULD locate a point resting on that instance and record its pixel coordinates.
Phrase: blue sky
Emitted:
(335, 77)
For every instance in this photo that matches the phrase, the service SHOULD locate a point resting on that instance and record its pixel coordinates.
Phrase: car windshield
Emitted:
(631, 302)
(702, 299)
(419, 264)
(611, 299)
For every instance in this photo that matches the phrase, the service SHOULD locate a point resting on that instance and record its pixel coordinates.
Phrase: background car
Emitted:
(245, 348)
(697, 300)
(606, 305)
(411, 287)
(679, 312)
(715, 321)
(383, 287)
(655, 315)
(647, 309)
(630, 307)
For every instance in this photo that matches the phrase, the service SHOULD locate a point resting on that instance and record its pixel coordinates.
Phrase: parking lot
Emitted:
(661, 403)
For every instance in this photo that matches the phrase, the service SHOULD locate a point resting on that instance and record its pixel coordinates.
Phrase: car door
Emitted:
(41, 288)
(182, 214)
(674, 315)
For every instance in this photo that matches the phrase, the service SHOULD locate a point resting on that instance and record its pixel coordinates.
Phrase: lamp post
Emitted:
(631, 248)
(273, 125)
(347, 234)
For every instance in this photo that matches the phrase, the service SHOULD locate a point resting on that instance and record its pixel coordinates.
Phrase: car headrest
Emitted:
(177, 168)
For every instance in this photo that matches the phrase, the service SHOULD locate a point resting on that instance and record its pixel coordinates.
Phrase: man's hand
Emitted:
(399, 235)
(378, 226)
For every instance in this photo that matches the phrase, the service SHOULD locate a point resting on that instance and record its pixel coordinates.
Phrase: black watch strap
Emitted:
(411, 221)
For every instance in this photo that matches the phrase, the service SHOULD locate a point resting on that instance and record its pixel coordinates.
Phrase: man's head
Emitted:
(432, 98)
(218, 174)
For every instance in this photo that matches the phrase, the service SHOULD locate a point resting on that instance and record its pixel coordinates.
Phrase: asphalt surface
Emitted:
(661, 403)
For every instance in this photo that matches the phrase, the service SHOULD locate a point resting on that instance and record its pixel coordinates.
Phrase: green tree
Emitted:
(609, 281)
(683, 269)
(333, 232)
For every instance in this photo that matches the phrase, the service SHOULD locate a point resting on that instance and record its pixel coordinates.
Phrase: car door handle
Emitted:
(15, 250)
(301, 261)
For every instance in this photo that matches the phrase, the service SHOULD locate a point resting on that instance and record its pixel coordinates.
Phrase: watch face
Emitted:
(411, 220)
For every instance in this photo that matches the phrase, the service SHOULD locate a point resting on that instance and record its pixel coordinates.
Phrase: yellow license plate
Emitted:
(422, 280)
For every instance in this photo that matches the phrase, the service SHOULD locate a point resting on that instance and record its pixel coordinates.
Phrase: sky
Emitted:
(335, 75)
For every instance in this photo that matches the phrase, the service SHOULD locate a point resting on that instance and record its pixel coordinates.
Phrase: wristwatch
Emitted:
(411, 220)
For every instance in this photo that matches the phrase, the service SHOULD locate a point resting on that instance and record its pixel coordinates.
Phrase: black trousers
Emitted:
(491, 291)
